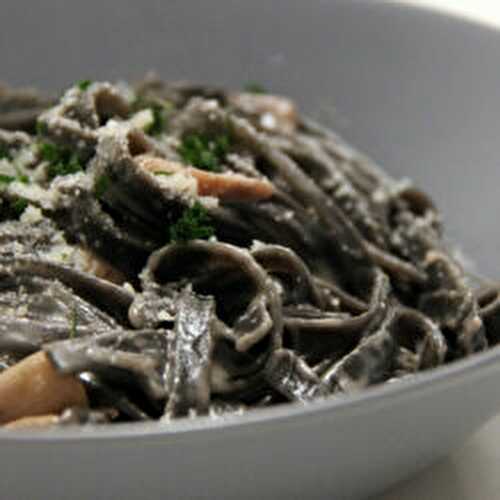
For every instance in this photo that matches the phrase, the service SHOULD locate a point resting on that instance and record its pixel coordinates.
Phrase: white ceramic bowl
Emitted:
(416, 90)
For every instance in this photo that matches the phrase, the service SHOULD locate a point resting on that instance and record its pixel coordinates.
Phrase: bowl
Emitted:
(414, 89)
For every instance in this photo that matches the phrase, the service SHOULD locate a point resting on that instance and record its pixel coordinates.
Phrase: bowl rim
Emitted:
(370, 399)
(433, 380)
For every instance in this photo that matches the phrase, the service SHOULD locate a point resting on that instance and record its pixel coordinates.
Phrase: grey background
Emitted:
(420, 93)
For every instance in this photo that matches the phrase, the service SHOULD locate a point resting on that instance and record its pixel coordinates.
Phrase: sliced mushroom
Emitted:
(38, 422)
(44, 390)
(270, 112)
(226, 186)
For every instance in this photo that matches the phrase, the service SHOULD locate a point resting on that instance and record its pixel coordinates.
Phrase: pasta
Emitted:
(171, 250)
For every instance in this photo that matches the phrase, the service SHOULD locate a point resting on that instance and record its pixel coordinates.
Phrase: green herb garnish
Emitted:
(19, 206)
(50, 152)
(204, 152)
(6, 179)
(84, 84)
(61, 161)
(161, 172)
(4, 153)
(74, 321)
(159, 120)
(101, 185)
(160, 108)
(64, 168)
(23, 178)
(195, 223)
(41, 129)
(12, 209)
(254, 88)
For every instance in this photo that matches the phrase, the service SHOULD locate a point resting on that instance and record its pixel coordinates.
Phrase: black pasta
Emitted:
(171, 250)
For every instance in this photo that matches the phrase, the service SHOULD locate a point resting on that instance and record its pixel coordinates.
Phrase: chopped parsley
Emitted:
(4, 153)
(61, 161)
(84, 84)
(6, 179)
(161, 172)
(19, 206)
(160, 108)
(205, 152)
(20, 177)
(23, 178)
(159, 120)
(194, 224)
(50, 152)
(254, 88)
(101, 185)
(41, 129)
(74, 322)
(12, 209)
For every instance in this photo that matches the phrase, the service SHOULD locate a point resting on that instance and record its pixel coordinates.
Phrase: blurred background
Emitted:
(485, 11)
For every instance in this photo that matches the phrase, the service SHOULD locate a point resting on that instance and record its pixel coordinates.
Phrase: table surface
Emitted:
(473, 471)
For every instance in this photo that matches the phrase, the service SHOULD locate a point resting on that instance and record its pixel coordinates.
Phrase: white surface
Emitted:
(485, 11)
(472, 472)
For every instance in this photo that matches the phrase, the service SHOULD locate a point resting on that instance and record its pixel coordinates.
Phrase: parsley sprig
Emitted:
(204, 152)
(73, 322)
(4, 153)
(160, 114)
(41, 128)
(18, 207)
(7, 179)
(101, 185)
(160, 108)
(62, 161)
(195, 223)
(12, 209)
(84, 84)
(254, 88)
